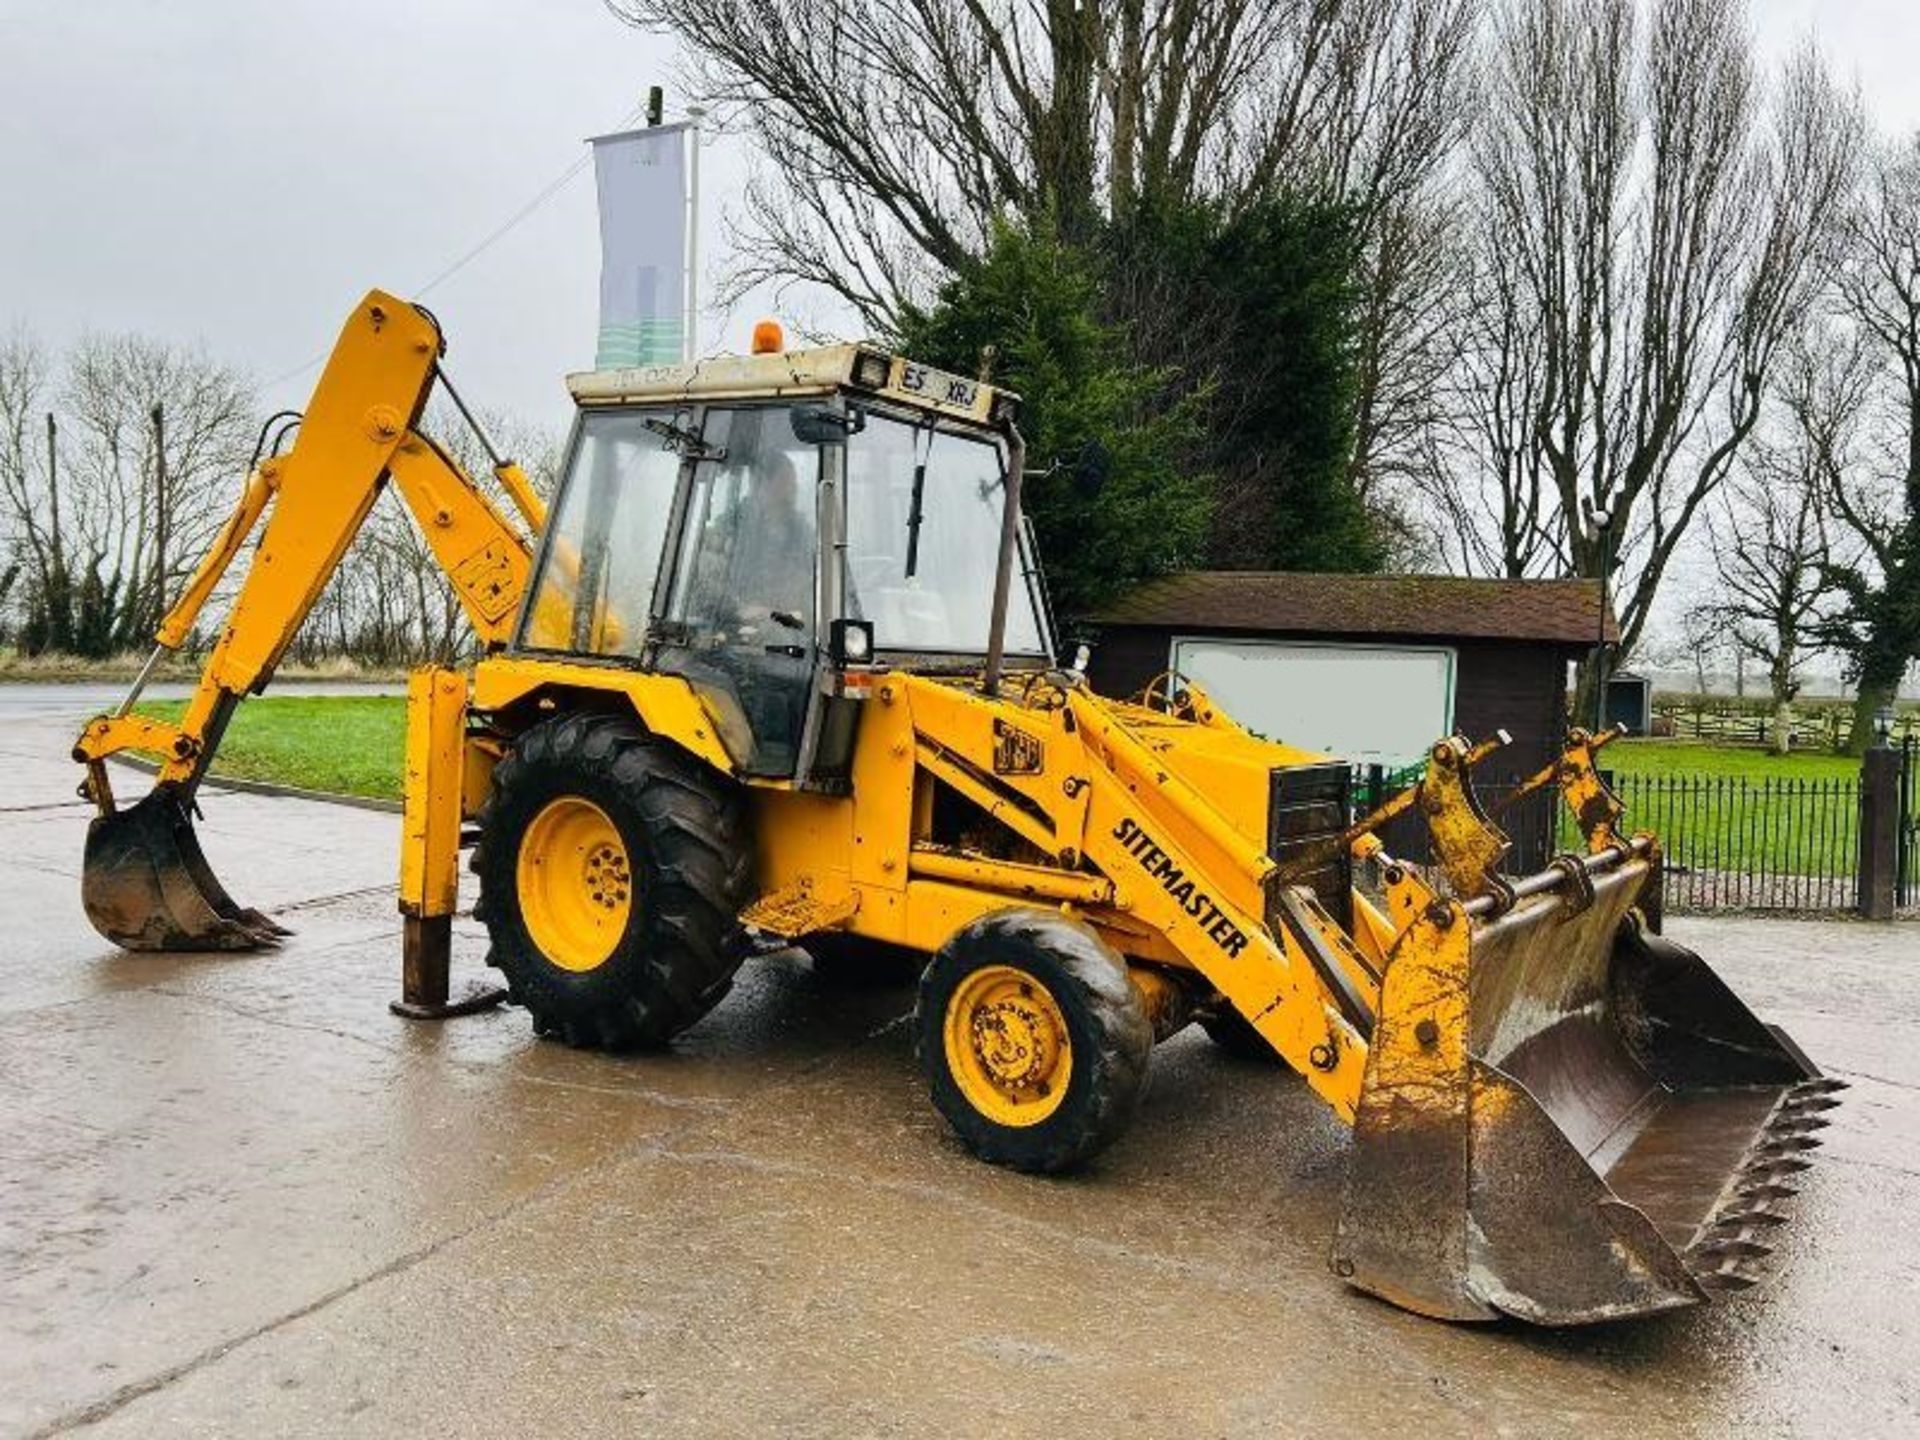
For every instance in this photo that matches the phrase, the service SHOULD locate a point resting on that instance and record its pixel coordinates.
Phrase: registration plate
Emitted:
(937, 387)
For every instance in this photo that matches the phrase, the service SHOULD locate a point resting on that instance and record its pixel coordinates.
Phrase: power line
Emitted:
(521, 214)
(546, 193)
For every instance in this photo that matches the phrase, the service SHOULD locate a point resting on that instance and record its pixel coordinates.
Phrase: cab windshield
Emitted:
(923, 536)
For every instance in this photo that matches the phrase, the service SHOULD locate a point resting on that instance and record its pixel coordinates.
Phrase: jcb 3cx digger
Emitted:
(777, 667)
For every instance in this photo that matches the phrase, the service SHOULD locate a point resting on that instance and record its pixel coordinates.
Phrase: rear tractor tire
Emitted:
(1033, 1040)
(612, 866)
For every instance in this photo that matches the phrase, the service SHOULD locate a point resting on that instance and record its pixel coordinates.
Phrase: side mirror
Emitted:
(1090, 471)
(821, 425)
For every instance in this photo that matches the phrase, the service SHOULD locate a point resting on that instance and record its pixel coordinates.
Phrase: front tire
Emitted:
(612, 866)
(1033, 1040)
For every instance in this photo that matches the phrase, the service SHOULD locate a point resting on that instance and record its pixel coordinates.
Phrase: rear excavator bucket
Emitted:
(146, 883)
(1567, 1118)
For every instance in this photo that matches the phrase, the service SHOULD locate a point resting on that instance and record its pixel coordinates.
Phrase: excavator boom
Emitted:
(146, 884)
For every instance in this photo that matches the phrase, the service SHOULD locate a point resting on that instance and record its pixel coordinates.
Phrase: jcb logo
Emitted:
(1015, 752)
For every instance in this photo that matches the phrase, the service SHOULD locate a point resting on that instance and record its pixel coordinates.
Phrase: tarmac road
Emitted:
(237, 1197)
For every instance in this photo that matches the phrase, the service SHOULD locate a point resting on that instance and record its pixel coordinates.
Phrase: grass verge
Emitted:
(341, 744)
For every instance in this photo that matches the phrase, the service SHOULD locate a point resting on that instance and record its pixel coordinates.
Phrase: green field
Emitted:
(1743, 826)
(342, 744)
(1685, 757)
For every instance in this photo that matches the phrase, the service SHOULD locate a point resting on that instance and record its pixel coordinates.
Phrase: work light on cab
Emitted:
(768, 338)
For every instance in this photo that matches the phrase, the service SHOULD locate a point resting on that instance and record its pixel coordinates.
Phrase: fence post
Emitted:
(1653, 895)
(1879, 830)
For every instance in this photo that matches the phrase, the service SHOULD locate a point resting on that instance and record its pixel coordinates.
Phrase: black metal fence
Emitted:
(1730, 844)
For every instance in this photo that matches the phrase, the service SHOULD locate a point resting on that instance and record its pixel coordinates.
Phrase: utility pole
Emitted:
(59, 595)
(160, 513)
(53, 480)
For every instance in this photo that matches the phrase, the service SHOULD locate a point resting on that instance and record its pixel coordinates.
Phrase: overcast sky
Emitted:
(239, 172)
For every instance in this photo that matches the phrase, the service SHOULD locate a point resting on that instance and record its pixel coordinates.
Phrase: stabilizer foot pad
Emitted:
(476, 999)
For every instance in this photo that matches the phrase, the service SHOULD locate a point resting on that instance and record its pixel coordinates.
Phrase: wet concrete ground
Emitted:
(237, 1197)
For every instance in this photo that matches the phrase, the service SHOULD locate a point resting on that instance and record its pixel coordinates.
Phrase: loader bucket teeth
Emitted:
(1566, 1119)
(1812, 1104)
(1792, 1122)
(146, 884)
(1787, 1146)
(1740, 1220)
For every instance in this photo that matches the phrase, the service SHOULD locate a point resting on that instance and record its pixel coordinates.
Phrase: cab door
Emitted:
(739, 619)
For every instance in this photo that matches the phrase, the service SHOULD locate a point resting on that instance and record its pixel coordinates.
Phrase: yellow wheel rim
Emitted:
(575, 882)
(1007, 1045)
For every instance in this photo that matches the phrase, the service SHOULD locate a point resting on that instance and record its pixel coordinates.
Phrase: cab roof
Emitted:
(799, 373)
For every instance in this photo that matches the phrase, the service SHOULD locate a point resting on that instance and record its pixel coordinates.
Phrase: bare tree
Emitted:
(111, 503)
(1396, 131)
(1651, 229)
(1772, 560)
(897, 133)
(1484, 476)
(35, 538)
(1874, 486)
(113, 387)
(83, 519)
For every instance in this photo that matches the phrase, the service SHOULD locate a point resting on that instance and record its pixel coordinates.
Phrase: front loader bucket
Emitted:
(1567, 1119)
(146, 883)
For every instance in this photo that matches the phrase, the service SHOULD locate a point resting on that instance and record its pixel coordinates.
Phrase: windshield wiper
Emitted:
(915, 514)
(683, 441)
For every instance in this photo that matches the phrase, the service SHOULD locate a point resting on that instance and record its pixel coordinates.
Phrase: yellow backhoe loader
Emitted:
(778, 668)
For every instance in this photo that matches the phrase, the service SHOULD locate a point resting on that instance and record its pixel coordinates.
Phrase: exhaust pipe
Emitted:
(146, 883)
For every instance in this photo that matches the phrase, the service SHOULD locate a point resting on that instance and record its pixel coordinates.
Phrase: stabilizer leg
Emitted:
(430, 849)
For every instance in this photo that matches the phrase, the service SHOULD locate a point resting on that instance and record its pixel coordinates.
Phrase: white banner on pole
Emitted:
(642, 179)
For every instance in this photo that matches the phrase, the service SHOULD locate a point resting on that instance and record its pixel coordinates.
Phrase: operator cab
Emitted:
(771, 526)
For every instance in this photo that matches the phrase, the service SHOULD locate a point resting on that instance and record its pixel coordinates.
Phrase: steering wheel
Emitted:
(1167, 694)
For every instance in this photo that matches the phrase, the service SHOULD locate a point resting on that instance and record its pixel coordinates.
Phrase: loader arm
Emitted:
(1558, 1115)
(1183, 869)
(146, 884)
